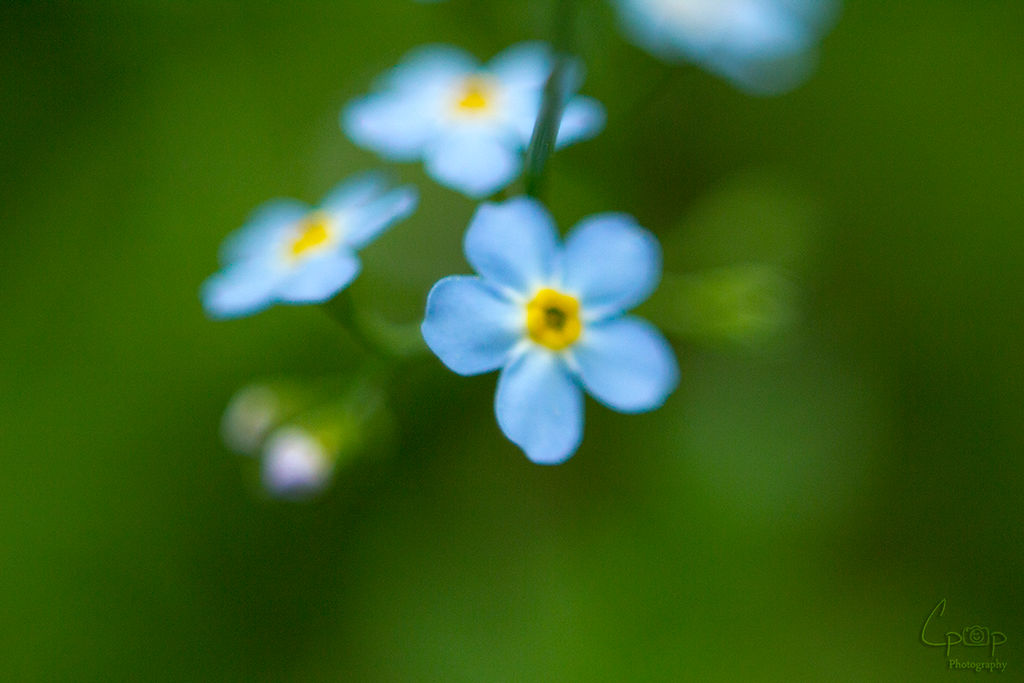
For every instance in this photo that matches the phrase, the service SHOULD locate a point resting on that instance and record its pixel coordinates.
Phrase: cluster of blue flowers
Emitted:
(550, 314)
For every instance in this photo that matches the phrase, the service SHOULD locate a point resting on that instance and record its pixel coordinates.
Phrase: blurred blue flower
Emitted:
(763, 46)
(290, 253)
(551, 317)
(468, 123)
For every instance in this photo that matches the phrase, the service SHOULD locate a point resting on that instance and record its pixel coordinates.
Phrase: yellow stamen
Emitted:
(553, 319)
(475, 96)
(314, 232)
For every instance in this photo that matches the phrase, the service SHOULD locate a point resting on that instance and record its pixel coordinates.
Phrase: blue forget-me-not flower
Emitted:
(551, 316)
(468, 122)
(763, 46)
(290, 253)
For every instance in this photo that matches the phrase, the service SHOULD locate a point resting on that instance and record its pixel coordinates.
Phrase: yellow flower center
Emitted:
(553, 319)
(314, 233)
(476, 96)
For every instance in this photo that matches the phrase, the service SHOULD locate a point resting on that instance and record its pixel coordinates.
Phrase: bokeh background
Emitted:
(793, 513)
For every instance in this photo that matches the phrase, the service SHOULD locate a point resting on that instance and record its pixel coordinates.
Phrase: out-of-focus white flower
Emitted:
(296, 464)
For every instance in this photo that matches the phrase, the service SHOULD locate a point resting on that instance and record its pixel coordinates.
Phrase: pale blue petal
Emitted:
(611, 264)
(474, 162)
(356, 190)
(521, 115)
(319, 278)
(393, 124)
(430, 66)
(626, 364)
(583, 118)
(513, 244)
(470, 325)
(261, 229)
(540, 407)
(239, 290)
(763, 46)
(367, 222)
(529, 67)
(767, 49)
(523, 66)
(406, 112)
(764, 76)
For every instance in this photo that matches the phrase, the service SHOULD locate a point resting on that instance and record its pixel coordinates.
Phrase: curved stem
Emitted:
(376, 335)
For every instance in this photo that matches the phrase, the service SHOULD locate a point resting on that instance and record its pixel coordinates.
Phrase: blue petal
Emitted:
(472, 161)
(356, 190)
(521, 115)
(319, 278)
(407, 111)
(430, 66)
(470, 326)
(523, 66)
(540, 407)
(392, 124)
(367, 222)
(513, 244)
(583, 118)
(261, 229)
(763, 46)
(239, 290)
(525, 70)
(611, 263)
(626, 364)
(767, 76)
(365, 206)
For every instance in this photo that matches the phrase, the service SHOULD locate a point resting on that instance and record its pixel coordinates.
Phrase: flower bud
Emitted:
(300, 457)
(255, 410)
(295, 464)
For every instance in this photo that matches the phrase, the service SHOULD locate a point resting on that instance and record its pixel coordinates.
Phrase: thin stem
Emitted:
(378, 337)
(542, 144)
(545, 131)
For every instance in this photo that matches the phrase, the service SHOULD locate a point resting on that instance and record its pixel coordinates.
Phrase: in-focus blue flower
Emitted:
(290, 253)
(763, 46)
(468, 123)
(551, 317)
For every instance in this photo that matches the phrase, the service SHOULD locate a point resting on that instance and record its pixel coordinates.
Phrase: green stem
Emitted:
(542, 143)
(379, 337)
(545, 131)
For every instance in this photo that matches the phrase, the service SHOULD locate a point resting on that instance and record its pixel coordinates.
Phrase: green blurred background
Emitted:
(793, 513)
